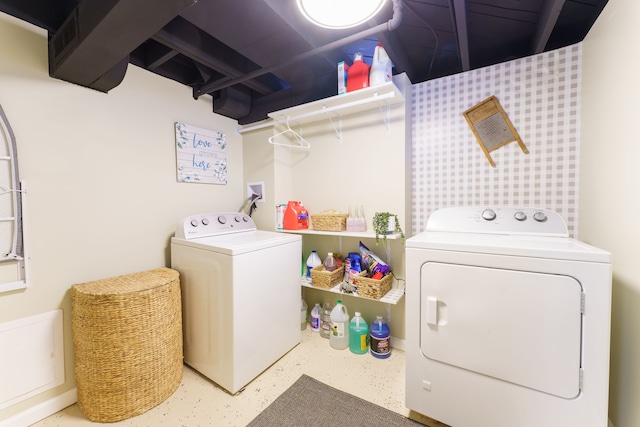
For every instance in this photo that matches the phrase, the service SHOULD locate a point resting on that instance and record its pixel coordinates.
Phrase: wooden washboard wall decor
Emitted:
(491, 127)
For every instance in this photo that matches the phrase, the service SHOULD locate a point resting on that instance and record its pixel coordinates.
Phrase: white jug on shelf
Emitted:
(381, 67)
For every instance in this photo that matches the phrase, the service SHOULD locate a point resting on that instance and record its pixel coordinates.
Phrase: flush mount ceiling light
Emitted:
(339, 13)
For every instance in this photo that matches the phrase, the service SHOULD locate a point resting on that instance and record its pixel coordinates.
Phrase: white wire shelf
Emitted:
(359, 235)
(386, 94)
(392, 297)
(380, 96)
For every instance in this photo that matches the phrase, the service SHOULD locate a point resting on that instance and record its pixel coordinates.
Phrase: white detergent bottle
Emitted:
(313, 261)
(315, 318)
(339, 338)
(381, 67)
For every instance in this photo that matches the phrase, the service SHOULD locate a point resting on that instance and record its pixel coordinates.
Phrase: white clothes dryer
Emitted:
(240, 293)
(507, 321)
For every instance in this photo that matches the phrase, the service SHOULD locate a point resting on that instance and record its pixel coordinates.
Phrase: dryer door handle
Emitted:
(432, 310)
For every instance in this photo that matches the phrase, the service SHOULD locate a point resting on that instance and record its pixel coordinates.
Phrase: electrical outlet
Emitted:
(256, 188)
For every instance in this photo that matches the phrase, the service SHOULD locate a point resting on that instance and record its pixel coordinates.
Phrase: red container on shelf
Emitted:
(296, 216)
(358, 74)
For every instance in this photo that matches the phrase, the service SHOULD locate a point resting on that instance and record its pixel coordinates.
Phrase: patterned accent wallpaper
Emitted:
(541, 96)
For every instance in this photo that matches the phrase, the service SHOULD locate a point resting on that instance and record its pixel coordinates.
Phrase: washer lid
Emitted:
(239, 243)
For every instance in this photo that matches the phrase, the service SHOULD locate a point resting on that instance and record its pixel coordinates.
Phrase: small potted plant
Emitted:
(386, 223)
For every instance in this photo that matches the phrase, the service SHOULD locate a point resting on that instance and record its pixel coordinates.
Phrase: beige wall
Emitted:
(259, 167)
(100, 172)
(609, 176)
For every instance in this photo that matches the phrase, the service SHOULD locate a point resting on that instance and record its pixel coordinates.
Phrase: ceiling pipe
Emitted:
(390, 25)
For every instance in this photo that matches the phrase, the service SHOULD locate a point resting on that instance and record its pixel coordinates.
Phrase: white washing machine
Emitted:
(240, 295)
(507, 321)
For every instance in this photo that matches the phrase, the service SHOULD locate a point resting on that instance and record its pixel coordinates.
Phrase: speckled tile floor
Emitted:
(199, 402)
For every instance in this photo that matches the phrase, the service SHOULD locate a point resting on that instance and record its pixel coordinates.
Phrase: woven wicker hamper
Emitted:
(127, 338)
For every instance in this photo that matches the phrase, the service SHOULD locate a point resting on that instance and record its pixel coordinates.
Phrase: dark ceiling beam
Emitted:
(548, 19)
(458, 10)
(179, 71)
(185, 38)
(158, 55)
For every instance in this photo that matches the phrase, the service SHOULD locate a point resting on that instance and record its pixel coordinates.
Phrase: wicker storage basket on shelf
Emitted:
(326, 279)
(329, 221)
(371, 288)
(127, 338)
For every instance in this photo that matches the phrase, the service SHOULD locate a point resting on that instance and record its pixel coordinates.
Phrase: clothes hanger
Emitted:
(301, 142)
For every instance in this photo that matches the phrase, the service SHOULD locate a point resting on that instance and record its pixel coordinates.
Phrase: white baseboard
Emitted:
(397, 343)
(42, 410)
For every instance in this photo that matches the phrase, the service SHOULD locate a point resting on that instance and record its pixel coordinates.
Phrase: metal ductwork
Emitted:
(232, 102)
(92, 46)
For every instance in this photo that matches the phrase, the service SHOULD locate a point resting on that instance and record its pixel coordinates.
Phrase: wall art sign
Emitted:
(200, 155)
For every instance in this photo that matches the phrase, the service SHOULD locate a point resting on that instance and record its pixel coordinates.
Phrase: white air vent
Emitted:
(31, 357)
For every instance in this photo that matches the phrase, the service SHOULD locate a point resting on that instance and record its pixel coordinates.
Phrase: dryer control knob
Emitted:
(205, 221)
(540, 216)
(488, 215)
(237, 218)
(222, 219)
(194, 222)
(520, 216)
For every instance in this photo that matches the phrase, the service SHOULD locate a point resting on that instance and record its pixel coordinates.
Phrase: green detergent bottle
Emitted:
(358, 335)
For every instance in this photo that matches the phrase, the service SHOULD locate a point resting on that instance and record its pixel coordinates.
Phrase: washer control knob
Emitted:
(194, 222)
(222, 219)
(238, 218)
(520, 216)
(205, 221)
(488, 215)
(245, 218)
(540, 216)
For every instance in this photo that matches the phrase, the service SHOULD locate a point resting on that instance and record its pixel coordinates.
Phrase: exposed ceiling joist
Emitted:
(459, 16)
(158, 55)
(548, 20)
(194, 43)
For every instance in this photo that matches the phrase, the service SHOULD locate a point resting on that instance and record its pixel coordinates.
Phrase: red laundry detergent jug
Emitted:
(296, 216)
(358, 73)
